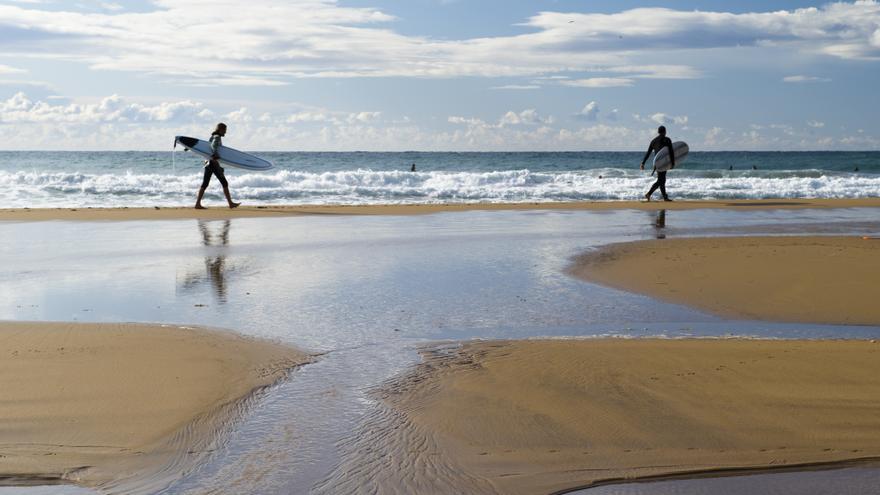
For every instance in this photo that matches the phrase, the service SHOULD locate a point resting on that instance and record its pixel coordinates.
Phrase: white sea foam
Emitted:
(74, 189)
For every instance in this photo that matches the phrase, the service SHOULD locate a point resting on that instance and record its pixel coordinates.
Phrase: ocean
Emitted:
(42, 179)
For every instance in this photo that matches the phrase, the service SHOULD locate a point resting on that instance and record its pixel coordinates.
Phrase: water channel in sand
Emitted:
(366, 292)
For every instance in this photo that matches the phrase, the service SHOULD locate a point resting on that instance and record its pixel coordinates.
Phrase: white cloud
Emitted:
(517, 86)
(115, 122)
(23, 84)
(467, 121)
(600, 137)
(815, 124)
(5, 69)
(239, 116)
(860, 142)
(663, 119)
(20, 109)
(363, 117)
(274, 41)
(805, 79)
(657, 71)
(510, 118)
(713, 136)
(308, 116)
(784, 128)
(526, 117)
(839, 29)
(599, 82)
(590, 111)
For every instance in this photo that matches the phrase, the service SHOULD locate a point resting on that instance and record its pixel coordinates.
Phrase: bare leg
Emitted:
(199, 199)
(229, 198)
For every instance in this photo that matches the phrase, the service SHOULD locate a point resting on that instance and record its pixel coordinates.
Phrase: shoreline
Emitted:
(266, 211)
(558, 416)
(873, 462)
(123, 407)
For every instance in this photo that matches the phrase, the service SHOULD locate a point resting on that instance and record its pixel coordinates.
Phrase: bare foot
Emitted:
(667, 199)
(234, 205)
(647, 197)
(200, 207)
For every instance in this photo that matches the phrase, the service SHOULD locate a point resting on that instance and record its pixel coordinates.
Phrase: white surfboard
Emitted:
(228, 156)
(662, 163)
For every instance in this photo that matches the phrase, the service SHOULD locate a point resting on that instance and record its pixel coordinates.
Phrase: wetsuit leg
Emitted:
(207, 178)
(218, 171)
(661, 180)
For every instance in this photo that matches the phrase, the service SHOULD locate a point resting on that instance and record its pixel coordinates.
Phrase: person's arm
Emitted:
(647, 154)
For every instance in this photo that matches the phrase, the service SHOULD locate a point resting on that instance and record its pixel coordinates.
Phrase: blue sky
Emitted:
(439, 74)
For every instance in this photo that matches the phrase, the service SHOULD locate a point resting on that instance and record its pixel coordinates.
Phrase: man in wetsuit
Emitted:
(656, 145)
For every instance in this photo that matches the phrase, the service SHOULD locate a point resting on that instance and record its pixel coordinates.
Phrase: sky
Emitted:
(439, 75)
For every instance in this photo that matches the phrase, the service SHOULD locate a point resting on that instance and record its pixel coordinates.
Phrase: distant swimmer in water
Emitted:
(212, 167)
(657, 144)
(413, 169)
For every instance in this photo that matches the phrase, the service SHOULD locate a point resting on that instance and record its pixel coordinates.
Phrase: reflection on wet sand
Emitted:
(215, 262)
(660, 224)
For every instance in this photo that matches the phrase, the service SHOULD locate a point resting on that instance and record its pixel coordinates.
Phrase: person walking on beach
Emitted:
(656, 145)
(212, 166)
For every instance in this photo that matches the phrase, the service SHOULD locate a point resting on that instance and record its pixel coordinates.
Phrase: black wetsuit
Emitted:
(213, 166)
(656, 145)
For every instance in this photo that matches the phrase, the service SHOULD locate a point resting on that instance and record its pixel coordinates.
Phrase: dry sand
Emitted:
(220, 212)
(533, 417)
(102, 404)
(801, 279)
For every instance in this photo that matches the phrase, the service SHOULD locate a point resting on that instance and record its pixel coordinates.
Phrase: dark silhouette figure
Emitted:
(660, 224)
(212, 167)
(215, 264)
(657, 144)
(413, 169)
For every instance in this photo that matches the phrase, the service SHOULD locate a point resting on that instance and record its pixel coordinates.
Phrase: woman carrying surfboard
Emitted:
(212, 167)
(657, 144)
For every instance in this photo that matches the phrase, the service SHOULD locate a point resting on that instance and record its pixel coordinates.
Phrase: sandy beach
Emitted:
(526, 417)
(245, 211)
(97, 404)
(801, 279)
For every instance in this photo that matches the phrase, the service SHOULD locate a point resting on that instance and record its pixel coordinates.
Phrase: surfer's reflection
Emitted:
(660, 224)
(215, 262)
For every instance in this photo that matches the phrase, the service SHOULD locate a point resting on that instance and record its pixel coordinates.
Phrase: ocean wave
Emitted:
(364, 186)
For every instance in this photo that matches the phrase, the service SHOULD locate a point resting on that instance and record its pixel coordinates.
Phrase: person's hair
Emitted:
(221, 125)
(661, 130)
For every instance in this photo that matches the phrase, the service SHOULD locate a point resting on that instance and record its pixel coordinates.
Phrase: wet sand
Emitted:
(799, 279)
(100, 404)
(511, 417)
(245, 211)
(526, 417)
